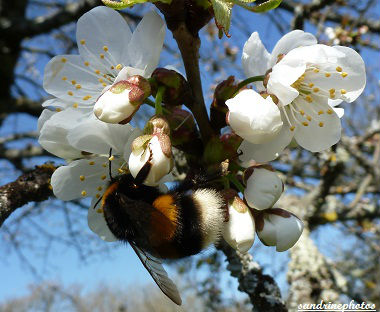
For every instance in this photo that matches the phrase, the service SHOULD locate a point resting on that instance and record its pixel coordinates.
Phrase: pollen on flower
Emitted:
(343, 91)
(104, 84)
(338, 69)
(91, 163)
(119, 66)
(82, 42)
(58, 109)
(320, 112)
(99, 210)
(101, 55)
(64, 78)
(112, 67)
(309, 98)
(86, 63)
(104, 165)
(311, 85)
(81, 177)
(86, 97)
(75, 105)
(308, 118)
(111, 158)
(316, 90)
(103, 177)
(97, 71)
(100, 80)
(99, 188)
(329, 111)
(321, 124)
(302, 112)
(83, 193)
(316, 70)
(305, 123)
(73, 82)
(97, 195)
(332, 91)
(70, 93)
(63, 60)
(344, 74)
(327, 75)
(292, 128)
(105, 48)
(78, 86)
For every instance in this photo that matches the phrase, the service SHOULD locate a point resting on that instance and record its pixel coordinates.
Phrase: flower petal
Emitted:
(80, 178)
(288, 231)
(45, 115)
(146, 44)
(255, 58)
(95, 136)
(67, 78)
(266, 151)
(294, 39)
(103, 37)
(98, 224)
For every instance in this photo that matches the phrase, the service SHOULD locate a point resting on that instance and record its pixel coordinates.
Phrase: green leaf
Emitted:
(222, 12)
(266, 6)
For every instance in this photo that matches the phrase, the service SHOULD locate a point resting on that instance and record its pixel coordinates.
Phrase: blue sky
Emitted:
(120, 266)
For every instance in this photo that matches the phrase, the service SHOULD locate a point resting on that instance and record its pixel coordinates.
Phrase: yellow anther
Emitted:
(104, 84)
(120, 170)
(100, 80)
(97, 71)
(316, 89)
(332, 91)
(97, 195)
(112, 157)
(83, 193)
(50, 187)
(103, 177)
(343, 91)
(309, 98)
(99, 188)
(105, 48)
(292, 128)
(99, 210)
(112, 67)
(86, 97)
(320, 112)
(344, 74)
(82, 177)
(104, 75)
(70, 93)
(119, 66)
(302, 112)
(311, 85)
(73, 82)
(101, 55)
(308, 118)
(64, 78)
(332, 96)
(305, 123)
(75, 105)
(327, 75)
(338, 69)
(58, 109)
(321, 124)
(329, 111)
(83, 41)
(63, 60)
(91, 163)
(104, 165)
(86, 63)
(78, 86)
(316, 70)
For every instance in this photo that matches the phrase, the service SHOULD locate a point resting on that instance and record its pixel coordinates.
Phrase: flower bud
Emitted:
(177, 89)
(122, 100)
(230, 142)
(151, 157)
(263, 187)
(278, 227)
(239, 231)
(254, 118)
(182, 126)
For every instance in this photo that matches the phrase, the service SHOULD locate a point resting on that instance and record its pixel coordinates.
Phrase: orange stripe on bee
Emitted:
(110, 189)
(163, 220)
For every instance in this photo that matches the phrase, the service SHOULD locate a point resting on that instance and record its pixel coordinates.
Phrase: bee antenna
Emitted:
(109, 165)
(97, 202)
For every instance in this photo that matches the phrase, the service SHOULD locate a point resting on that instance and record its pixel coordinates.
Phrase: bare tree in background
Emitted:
(335, 190)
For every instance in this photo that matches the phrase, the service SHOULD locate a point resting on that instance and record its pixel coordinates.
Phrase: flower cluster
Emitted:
(97, 93)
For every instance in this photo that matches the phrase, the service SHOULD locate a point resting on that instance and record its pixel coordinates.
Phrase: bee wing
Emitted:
(159, 275)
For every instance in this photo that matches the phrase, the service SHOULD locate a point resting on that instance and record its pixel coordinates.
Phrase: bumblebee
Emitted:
(159, 225)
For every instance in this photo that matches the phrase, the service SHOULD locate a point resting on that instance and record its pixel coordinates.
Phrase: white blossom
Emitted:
(309, 80)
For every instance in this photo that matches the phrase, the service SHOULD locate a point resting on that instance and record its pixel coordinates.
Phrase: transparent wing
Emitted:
(159, 275)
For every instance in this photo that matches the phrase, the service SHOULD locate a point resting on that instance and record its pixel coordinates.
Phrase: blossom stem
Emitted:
(248, 81)
(236, 182)
(158, 102)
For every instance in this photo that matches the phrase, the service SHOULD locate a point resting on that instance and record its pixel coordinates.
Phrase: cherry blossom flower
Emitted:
(85, 142)
(278, 227)
(109, 53)
(307, 80)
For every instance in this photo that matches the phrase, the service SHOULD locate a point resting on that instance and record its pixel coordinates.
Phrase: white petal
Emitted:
(264, 188)
(268, 234)
(95, 136)
(255, 58)
(128, 145)
(67, 78)
(53, 134)
(146, 44)
(98, 224)
(80, 178)
(292, 40)
(288, 231)
(45, 115)
(57, 103)
(239, 231)
(321, 132)
(254, 118)
(339, 111)
(266, 151)
(103, 27)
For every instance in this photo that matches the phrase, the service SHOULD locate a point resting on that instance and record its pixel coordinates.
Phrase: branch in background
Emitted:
(261, 288)
(31, 186)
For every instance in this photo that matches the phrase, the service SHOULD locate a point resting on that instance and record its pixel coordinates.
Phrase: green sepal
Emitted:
(266, 6)
(222, 12)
